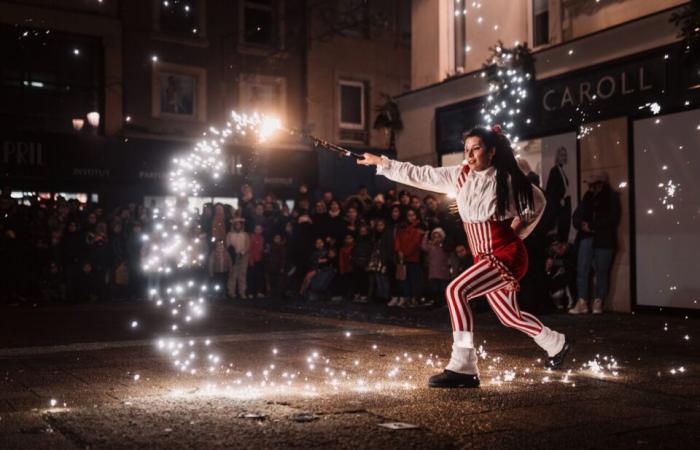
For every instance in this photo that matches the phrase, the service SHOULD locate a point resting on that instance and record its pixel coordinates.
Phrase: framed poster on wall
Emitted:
(178, 92)
(554, 159)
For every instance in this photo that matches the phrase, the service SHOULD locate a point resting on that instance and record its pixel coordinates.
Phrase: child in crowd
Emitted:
(219, 267)
(345, 265)
(560, 269)
(437, 259)
(256, 268)
(361, 253)
(321, 274)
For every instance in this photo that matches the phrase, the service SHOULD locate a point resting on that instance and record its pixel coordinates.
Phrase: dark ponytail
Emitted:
(505, 164)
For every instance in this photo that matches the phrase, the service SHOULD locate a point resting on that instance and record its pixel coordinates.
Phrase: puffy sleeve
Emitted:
(436, 179)
(531, 218)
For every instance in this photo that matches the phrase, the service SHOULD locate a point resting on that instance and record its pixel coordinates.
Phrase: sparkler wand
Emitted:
(318, 142)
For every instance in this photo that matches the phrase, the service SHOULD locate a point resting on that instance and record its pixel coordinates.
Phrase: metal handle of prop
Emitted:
(318, 142)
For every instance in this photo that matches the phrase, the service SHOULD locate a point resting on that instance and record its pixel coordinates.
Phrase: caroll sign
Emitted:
(613, 88)
(603, 88)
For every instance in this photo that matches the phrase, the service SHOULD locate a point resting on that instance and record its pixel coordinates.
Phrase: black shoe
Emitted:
(450, 379)
(556, 361)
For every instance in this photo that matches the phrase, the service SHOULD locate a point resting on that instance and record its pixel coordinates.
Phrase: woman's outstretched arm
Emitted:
(436, 179)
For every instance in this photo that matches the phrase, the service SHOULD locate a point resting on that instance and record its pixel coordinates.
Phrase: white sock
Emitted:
(463, 358)
(551, 341)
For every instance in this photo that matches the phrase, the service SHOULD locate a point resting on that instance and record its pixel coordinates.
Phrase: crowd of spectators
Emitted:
(393, 248)
(58, 250)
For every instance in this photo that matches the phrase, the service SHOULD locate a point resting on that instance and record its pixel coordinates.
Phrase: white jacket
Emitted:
(476, 200)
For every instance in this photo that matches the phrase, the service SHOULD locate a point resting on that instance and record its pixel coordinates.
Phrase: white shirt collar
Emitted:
(488, 172)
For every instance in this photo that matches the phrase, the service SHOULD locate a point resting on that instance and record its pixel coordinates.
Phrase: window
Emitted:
(352, 105)
(48, 78)
(540, 22)
(404, 22)
(259, 23)
(353, 17)
(180, 16)
(461, 48)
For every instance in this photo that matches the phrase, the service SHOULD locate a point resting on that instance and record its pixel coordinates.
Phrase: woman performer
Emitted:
(499, 208)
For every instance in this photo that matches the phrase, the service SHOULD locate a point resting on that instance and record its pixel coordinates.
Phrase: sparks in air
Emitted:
(176, 246)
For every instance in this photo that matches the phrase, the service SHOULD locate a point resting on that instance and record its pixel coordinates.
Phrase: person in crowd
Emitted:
(378, 209)
(404, 201)
(416, 204)
(321, 221)
(134, 254)
(361, 253)
(256, 269)
(434, 217)
(257, 218)
(218, 224)
(206, 217)
(53, 287)
(379, 262)
(303, 207)
(460, 260)
(88, 287)
(596, 219)
(118, 266)
(560, 268)
(352, 221)
(327, 197)
(438, 263)
(100, 256)
(407, 247)
(246, 202)
(303, 195)
(238, 243)
(276, 265)
(318, 279)
(345, 266)
(220, 265)
(396, 219)
(335, 221)
(73, 252)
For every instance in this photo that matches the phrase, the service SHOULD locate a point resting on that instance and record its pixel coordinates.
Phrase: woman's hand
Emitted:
(369, 159)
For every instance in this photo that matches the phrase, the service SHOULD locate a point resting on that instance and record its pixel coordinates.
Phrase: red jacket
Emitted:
(255, 253)
(345, 259)
(408, 240)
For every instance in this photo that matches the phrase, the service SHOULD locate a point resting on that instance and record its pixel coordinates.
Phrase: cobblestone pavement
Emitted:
(295, 380)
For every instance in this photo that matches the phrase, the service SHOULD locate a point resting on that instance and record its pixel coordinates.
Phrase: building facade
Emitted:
(358, 58)
(613, 86)
(99, 96)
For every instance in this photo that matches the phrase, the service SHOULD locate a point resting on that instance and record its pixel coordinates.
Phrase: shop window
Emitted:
(666, 204)
(48, 78)
(540, 22)
(461, 48)
(352, 105)
(180, 16)
(259, 23)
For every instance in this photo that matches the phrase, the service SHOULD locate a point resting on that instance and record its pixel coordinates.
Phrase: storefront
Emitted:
(607, 118)
(117, 170)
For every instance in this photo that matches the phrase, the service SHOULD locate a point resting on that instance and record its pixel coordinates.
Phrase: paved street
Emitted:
(301, 381)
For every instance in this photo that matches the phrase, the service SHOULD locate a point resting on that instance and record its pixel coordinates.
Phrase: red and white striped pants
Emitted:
(501, 260)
